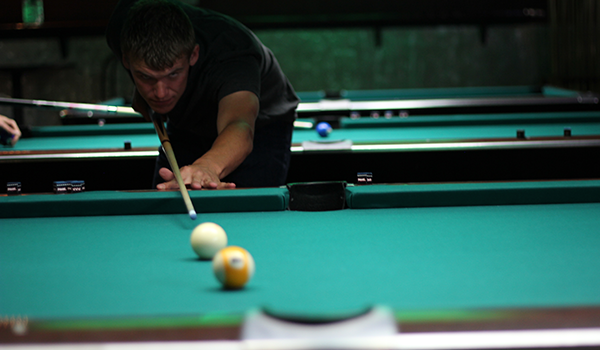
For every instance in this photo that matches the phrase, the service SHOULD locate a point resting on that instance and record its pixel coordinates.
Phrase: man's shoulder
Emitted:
(213, 22)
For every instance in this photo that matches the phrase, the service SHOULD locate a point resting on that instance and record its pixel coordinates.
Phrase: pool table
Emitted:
(328, 104)
(475, 261)
(457, 100)
(433, 148)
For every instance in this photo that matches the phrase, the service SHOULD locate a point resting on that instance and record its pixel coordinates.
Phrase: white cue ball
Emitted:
(207, 239)
(233, 266)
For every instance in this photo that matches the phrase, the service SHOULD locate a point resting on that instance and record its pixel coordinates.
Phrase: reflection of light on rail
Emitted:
(474, 145)
(82, 155)
(348, 105)
(521, 339)
(447, 146)
(303, 124)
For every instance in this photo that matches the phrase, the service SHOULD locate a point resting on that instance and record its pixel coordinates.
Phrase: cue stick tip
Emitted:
(193, 214)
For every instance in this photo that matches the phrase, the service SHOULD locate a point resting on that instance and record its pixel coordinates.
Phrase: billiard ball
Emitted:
(233, 267)
(323, 129)
(207, 239)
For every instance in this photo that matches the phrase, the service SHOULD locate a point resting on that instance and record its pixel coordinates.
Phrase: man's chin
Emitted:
(162, 109)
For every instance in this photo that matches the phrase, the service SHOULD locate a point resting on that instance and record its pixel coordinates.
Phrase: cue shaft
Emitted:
(117, 110)
(166, 144)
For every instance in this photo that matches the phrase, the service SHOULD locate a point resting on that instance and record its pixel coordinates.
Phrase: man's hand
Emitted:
(196, 176)
(11, 127)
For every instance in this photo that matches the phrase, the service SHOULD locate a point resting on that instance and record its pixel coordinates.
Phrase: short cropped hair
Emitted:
(157, 32)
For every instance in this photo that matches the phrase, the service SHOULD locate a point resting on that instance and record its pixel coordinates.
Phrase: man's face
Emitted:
(161, 89)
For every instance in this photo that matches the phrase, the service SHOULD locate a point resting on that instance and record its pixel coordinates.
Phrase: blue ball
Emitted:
(323, 129)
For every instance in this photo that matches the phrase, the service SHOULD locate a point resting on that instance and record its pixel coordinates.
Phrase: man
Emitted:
(229, 108)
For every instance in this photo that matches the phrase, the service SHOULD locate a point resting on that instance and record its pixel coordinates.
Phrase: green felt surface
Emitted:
(422, 258)
(323, 262)
(381, 133)
(447, 133)
(94, 129)
(82, 142)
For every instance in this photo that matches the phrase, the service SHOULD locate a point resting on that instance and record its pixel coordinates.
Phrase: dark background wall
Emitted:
(321, 45)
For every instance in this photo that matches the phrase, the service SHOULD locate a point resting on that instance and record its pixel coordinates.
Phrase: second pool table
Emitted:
(437, 148)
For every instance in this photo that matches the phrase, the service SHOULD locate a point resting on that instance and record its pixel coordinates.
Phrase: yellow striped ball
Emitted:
(233, 266)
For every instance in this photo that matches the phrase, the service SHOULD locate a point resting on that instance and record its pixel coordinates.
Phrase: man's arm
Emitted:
(235, 126)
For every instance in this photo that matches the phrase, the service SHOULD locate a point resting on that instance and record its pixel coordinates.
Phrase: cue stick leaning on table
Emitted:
(166, 145)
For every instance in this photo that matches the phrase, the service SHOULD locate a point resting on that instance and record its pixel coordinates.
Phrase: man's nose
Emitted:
(160, 90)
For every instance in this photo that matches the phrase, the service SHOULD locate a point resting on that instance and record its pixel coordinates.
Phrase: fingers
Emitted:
(194, 177)
(11, 127)
(200, 182)
(227, 185)
(166, 174)
(209, 184)
(170, 181)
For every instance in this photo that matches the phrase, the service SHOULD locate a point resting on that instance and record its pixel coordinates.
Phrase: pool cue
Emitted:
(166, 145)
(85, 107)
(108, 111)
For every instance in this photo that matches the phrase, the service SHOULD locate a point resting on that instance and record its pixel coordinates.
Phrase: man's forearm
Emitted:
(229, 150)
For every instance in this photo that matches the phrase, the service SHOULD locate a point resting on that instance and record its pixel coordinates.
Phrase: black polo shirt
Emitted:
(231, 59)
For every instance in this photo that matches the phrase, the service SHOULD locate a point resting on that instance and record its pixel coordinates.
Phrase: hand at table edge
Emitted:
(194, 176)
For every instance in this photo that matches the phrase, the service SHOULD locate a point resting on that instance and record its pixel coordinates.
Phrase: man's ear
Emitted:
(195, 54)
(125, 61)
